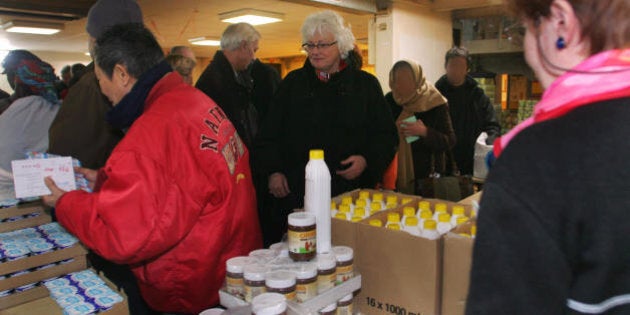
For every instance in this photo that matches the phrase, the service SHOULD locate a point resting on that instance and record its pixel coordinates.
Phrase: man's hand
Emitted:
(278, 185)
(55, 192)
(357, 166)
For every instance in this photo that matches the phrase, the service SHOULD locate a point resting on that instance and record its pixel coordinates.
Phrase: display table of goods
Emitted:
(42, 265)
(399, 242)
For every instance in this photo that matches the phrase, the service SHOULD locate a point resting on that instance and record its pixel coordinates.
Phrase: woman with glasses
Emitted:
(553, 225)
(327, 104)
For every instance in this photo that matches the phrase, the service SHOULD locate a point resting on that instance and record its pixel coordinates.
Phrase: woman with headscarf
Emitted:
(24, 125)
(424, 125)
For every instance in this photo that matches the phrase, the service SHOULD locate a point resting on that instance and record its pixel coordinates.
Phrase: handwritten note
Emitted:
(28, 176)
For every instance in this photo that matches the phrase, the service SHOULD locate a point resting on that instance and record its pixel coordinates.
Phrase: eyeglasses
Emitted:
(311, 46)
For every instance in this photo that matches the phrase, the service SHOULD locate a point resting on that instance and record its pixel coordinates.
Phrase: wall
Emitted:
(413, 32)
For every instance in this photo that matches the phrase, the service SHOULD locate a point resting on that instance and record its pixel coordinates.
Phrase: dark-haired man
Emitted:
(470, 109)
(175, 199)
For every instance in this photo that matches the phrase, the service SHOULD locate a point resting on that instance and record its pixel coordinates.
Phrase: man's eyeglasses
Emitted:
(311, 46)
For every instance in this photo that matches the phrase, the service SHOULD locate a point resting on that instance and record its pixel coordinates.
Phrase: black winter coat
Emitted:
(471, 113)
(346, 116)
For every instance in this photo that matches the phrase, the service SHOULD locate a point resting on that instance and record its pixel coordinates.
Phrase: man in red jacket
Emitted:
(175, 199)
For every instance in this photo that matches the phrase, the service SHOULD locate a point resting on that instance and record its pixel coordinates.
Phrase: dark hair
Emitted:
(77, 69)
(604, 23)
(66, 69)
(130, 45)
(457, 52)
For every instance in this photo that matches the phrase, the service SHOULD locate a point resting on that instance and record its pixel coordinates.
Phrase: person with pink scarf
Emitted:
(553, 224)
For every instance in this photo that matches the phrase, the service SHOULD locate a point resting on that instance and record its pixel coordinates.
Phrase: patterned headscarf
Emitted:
(39, 77)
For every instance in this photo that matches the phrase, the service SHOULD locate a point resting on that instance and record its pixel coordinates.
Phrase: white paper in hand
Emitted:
(28, 176)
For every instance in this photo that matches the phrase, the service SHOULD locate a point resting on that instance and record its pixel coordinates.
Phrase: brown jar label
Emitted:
(345, 310)
(235, 286)
(303, 242)
(344, 273)
(306, 291)
(252, 292)
(291, 296)
(326, 282)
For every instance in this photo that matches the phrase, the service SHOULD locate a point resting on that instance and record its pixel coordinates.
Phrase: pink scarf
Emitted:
(573, 90)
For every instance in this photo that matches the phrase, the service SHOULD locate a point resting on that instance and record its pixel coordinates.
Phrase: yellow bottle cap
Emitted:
(359, 211)
(364, 195)
(462, 220)
(341, 216)
(394, 226)
(411, 221)
(406, 200)
(391, 205)
(464, 235)
(333, 205)
(409, 211)
(473, 230)
(344, 208)
(356, 219)
(459, 210)
(346, 200)
(376, 222)
(378, 197)
(441, 207)
(430, 225)
(376, 206)
(393, 217)
(316, 154)
(444, 217)
(361, 203)
(392, 199)
(424, 206)
(426, 214)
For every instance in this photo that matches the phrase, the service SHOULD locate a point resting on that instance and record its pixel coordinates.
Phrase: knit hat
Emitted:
(107, 13)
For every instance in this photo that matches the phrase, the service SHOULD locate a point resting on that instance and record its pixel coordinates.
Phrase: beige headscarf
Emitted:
(424, 99)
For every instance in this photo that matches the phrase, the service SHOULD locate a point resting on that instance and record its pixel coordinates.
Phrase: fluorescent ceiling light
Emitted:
(251, 16)
(32, 27)
(204, 41)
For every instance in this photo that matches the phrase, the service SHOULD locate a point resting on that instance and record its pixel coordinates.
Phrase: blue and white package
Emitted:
(82, 308)
(105, 302)
(58, 292)
(69, 300)
(60, 282)
(84, 275)
(101, 290)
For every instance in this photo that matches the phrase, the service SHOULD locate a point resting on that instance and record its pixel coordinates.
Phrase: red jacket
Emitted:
(177, 201)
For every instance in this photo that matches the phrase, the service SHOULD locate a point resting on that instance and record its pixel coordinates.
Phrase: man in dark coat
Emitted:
(470, 109)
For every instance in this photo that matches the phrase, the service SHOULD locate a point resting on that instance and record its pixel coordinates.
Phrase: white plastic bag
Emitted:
(480, 169)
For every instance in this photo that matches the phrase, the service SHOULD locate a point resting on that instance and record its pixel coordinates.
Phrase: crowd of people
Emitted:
(186, 176)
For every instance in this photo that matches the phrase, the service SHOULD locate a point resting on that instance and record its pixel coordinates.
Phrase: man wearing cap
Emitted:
(81, 129)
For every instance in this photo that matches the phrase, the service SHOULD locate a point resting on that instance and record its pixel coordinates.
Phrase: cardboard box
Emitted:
(77, 253)
(45, 305)
(456, 270)
(402, 273)
(22, 210)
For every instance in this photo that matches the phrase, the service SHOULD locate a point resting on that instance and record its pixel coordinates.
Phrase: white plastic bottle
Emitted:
(458, 211)
(439, 209)
(378, 197)
(393, 219)
(424, 216)
(392, 202)
(365, 195)
(444, 223)
(408, 212)
(430, 230)
(317, 197)
(411, 226)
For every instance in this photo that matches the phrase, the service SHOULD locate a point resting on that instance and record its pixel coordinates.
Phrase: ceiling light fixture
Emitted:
(204, 41)
(32, 27)
(251, 16)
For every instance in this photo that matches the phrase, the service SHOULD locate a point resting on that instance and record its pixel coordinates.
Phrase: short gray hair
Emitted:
(235, 34)
(329, 21)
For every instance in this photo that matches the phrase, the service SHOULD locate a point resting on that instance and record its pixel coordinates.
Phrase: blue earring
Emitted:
(561, 43)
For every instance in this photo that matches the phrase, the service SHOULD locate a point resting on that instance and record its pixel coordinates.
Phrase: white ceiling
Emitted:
(174, 22)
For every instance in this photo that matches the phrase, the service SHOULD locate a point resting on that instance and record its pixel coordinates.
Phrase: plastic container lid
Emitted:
(361, 203)
(376, 206)
(406, 200)
(236, 264)
(409, 211)
(269, 304)
(473, 230)
(376, 222)
(346, 200)
(329, 308)
(359, 211)
(395, 227)
(255, 272)
(462, 220)
(326, 261)
(459, 210)
(343, 253)
(316, 154)
(444, 217)
(424, 205)
(441, 207)
(264, 255)
(430, 225)
(426, 214)
(301, 219)
(411, 221)
(279, 247)
(392, 199)
(356, 219)
(347, 298)
(305, 270)
(344, 208)
(341, 216)
(377, 197)
(393, 217)
(364, 194)
(280, 279)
